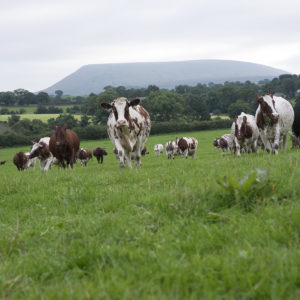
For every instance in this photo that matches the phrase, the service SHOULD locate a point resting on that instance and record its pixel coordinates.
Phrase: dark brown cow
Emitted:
(20, 160)
(99, 153)
(84, 155)
(144, 151)
(64, 144)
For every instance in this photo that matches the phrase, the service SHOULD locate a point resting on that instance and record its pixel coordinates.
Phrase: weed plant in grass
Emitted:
(159, 232)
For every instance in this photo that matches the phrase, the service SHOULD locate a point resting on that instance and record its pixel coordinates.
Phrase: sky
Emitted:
(43, 41)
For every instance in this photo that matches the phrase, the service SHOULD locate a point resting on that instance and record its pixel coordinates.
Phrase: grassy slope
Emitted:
(154, 233)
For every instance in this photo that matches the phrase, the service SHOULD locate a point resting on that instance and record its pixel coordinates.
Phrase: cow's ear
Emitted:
(271, 93)
(135, 102)
(244, 119)
(259, 98)
(106, 105)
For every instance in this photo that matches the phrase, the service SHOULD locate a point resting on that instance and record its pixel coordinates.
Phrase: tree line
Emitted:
(184, 108)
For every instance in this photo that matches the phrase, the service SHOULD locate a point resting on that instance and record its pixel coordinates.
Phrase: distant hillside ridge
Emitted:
(93, 78)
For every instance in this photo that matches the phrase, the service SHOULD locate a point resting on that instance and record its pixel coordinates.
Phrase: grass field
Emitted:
(165, 231)
(42, 117)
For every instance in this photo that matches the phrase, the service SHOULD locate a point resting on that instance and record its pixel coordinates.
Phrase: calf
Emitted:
(144, 151)
(64, 144)
(31, 161)
(3, 162)
(158, 149)
(274, 118)
(225, 143)
(128, 128)
(171, 149)
(20, 161)
(84, 155)
(187, 146)
(42, 152)
(245, 132)
(99, 153)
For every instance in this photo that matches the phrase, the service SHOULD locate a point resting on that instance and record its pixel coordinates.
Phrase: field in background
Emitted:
(42, 117)
(165, 231)
(29, 113)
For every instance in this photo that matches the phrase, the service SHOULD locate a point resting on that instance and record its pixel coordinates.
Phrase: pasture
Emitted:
(165, 231)
(43, 117)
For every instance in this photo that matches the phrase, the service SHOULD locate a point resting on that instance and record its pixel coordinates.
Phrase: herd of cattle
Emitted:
(269, 127)
(129, 125)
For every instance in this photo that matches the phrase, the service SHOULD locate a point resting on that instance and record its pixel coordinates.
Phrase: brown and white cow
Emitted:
(64, 144)
(187, 146)
(225, 143)
(20, 160)
(274, 118)
(128, 128)
(171, 149)
(99, 153)
(84, 155)
(42, 152)
(245, 132)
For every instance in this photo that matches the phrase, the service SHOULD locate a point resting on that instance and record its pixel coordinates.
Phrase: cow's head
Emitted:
(120, 108)
(267, 106)
(216, 143)
(242, 128)
(39, 150)
(60, 135)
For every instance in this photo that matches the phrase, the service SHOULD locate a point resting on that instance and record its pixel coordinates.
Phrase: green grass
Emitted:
(165, 231)
(42, 117)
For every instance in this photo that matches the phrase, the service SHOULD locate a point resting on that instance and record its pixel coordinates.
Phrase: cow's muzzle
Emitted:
(121, 123)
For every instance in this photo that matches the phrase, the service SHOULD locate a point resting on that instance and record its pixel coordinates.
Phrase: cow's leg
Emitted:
(284, 138)
(266, 143)
(238, 147)
(47, 164)
(101, 159)
(276, 139)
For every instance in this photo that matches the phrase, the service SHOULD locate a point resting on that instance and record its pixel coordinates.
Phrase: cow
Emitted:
(20, 161)
(171, 149)
(144, 151)
(274, 118)
(158, 149)
(295, 140)
(295, 135)
(99, 153)
(31, 161)
(245, 132)
(225, 143)
(64, 144)
(84, 155)
(187, 146)
(3, 162)
(128, 128)
(42, 152)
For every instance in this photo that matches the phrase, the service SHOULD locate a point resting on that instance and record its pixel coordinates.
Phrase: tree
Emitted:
(84, 121)
(58, 93)
(42, 98)
(197, 107)
(235, 109)
(13, 120)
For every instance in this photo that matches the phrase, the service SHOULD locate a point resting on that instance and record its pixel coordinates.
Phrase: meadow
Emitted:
(173, 229)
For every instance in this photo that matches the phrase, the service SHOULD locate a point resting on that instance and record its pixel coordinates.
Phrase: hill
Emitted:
(93, 78)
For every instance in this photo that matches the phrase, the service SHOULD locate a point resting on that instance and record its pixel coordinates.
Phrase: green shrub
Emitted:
(248, 192)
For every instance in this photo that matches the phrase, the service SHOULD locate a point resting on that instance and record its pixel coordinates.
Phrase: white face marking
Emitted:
(120, 105)
(268, 99)
(34, 148)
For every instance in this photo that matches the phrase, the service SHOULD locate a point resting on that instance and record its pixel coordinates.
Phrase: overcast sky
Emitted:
(42, 41)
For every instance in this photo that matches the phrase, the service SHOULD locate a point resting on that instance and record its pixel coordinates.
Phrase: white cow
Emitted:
(158, 149)
(274, 118)
(41, 150)
(245, 132)
(128, 127)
